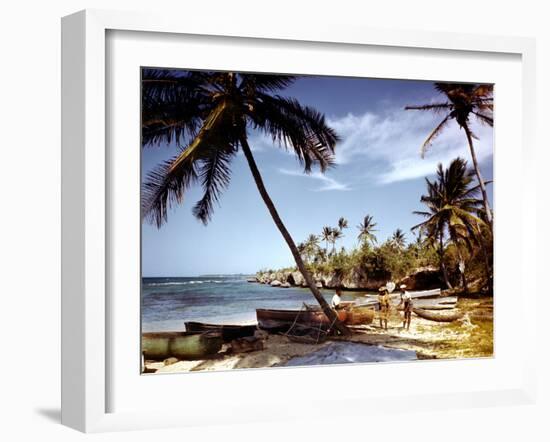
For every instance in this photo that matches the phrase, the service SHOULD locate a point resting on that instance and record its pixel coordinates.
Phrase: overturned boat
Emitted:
(181, 345)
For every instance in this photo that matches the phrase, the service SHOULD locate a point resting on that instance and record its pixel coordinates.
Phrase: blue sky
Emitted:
(378, 171)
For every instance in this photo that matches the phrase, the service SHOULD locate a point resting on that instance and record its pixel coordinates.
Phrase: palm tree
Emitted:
(342, 224)
(302, 250)
(463, 101)
(366, 229)
(312, 246)
(398, 239)
(326, 235)
(335, 236)
(452, 210)
(210, 115)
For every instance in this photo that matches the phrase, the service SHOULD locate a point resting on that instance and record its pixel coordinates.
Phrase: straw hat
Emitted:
(383, 288)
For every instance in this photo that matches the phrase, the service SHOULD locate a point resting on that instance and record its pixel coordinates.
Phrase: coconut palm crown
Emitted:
(366, 229)
(452, 206)
(464, 102)
(398, 238)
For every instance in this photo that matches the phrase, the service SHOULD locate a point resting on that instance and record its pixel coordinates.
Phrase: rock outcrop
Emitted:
(423, 278)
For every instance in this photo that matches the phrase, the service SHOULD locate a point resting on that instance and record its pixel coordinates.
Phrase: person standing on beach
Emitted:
(406, 302)
(336, 299)
(384, 301)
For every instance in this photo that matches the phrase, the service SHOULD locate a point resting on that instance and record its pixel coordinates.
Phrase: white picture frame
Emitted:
(86, 210)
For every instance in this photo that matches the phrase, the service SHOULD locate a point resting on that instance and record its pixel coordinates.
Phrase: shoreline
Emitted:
(470, 337)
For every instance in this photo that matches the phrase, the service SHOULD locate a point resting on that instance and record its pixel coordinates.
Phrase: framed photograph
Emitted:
(251, 212)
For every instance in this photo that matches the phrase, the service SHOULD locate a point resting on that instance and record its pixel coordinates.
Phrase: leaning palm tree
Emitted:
(398, 239)
(210, 115)
(463, 101)
(452, 210)
(366, 229)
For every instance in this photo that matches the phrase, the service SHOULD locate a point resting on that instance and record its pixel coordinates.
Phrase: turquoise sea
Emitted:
(168, 302)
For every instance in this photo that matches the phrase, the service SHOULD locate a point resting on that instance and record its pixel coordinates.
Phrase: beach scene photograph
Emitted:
(305, 220)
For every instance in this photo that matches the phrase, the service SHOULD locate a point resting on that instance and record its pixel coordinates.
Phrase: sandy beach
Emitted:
(469, 337)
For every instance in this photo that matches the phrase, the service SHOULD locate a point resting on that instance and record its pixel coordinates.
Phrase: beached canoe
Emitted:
(395, 297)
(283, 319)
(438, 316)
(228, 332)
(443, 303)
(181, 345)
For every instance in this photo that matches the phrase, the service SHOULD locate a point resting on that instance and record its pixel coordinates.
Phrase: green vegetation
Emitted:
(454, 237)
(393, 259)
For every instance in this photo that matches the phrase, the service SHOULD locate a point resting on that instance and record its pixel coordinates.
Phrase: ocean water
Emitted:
(168, 302)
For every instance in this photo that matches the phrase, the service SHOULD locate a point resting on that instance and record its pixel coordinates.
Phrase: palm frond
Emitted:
(173, 106)
(167, 184)
(433, 135)
(436, 107)
(214, 173)
(164, 188)
(296, 127)
(266, 82)
(484, 118)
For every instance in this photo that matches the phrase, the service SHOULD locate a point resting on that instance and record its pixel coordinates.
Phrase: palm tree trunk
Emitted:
(488, 272)
(480, 179)
(463, 273)
(442, 262)
(331, 314)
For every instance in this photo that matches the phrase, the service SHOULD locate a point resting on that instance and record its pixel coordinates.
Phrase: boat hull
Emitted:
(437, 316)
(228, 332)
(180, 345)
(283, 319)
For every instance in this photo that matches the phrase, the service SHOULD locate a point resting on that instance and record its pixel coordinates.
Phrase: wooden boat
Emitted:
(277, 320)
(316, 307)
(228, 332)
(395, 297)
(438, 316)
(444, 303)
(181, 345)
(425, 294)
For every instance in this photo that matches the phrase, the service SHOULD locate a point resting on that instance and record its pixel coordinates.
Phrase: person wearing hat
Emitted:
(406, 302)
(384, 301)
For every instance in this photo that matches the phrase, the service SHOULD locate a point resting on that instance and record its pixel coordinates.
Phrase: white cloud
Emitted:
(392, 142)
(260, 142)
(327, 183)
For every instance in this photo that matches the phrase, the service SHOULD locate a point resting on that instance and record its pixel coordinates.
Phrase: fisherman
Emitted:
(384, 301)
(406, 302)
(336, 299)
